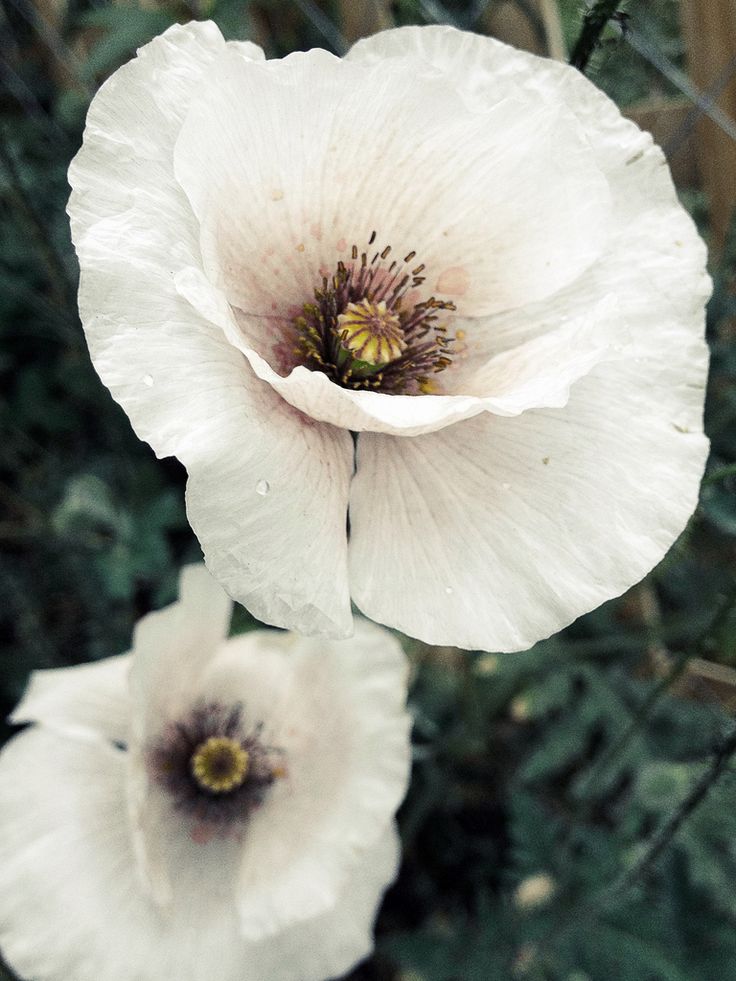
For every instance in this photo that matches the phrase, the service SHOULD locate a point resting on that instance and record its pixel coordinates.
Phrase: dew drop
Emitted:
(506, 486)
(449, 590)
(263, 487)
(148, 380)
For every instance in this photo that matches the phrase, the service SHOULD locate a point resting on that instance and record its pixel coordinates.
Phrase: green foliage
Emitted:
(554, 766)
(124, 28)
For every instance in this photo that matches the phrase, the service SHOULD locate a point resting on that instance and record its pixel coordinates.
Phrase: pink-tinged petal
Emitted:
(337, 711)
(87, 699)
(173, 647)
(187, 391)
(653, 262)
(536, 374)
(539, 372)
(288, 163)
(71, 905)
(516, 526)
(497, 532)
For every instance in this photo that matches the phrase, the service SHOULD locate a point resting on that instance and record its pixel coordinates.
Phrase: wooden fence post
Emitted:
(709, 29)
(359, 18)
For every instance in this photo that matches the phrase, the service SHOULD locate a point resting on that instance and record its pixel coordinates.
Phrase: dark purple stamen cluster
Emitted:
(427, 348)
(170, 763)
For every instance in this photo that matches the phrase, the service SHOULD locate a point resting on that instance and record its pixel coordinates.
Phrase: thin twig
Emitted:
(667, 832)
(704, 102)
(435, 12)
(711, 95)
(26, 98)
(55, 43)
(678, 666)
(594, 23)
(358, 20)
(590, 904)
(57, 272)
(718, 475)
(640, 716)
(338, 42)
(529, 10)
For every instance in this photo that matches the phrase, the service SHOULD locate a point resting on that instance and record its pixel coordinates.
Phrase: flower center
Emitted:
(370, 334)
(365, 333)
(215, 769)
(220, 764)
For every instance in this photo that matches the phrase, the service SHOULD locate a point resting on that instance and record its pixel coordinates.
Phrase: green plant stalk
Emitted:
(667, 832)
(720, 474)
(678, 666)
(594, 24)
(62, 293)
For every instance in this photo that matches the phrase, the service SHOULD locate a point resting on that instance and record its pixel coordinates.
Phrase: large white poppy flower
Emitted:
(425, 325)
(246, 833)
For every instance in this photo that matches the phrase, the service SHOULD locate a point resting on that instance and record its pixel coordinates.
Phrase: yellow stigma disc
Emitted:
(219, 764)
(371, 332)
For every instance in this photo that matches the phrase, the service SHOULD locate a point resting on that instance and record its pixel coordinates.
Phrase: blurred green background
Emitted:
(572, 813)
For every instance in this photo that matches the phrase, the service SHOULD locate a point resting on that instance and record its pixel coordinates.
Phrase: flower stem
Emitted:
(60, 286)
(594, 24)
(677, 667)
(721, 756)
(597, 902)
(713, 478)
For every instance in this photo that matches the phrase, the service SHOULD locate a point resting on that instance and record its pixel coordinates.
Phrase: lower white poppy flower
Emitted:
(460, 254)
(203, 809)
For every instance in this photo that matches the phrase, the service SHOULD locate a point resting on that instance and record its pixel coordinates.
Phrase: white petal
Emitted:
(653, 262)
(187, 391)
(269, 505)
(338, 712)
(70, 906)
(87, 698)
(65, 884)
(173, 647)
(328, 945)
(288, 163)
(511, 548)
(133, 121)
(498, 532)
(537, 373)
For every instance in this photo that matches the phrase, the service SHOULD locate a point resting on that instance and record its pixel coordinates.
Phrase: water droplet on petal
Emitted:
(148, 380)
(449, 590)
(263, 487)
(506, 486)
